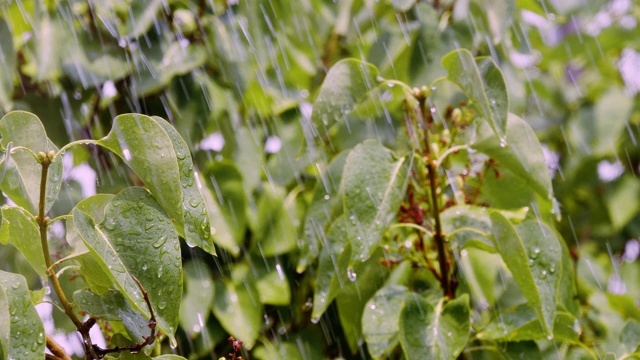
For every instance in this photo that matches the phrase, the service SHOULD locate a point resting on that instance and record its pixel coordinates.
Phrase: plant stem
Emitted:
(438, 235)
(43, 222)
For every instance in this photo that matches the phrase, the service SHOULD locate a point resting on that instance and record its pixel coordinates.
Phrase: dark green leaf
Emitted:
(198, 298)
(373, 184)
(275, 232)
(137, 238)
(21, 330)
(428, 332)
(532, 252)
(482, 82)
(239, 310)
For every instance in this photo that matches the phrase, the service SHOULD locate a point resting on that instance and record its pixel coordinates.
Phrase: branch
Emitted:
(57, 351)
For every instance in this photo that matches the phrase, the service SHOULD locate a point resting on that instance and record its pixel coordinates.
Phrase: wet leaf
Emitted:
(402, 5)
(20, 173)
(428, 332)
(8, 60)
(112, 306)
(197, 228)
(521, 323)
(275, 232)
(373, 184)
(482, 82)
(532, 252)
(160, 158)
(346, 84)
(198, 298)
(273, 288)
(20, 229)
(239, 310)
(137, 238)
(630, 338)
(21, 330)
(380, 320)
(326, 204)
(141, 17)
(522, 156)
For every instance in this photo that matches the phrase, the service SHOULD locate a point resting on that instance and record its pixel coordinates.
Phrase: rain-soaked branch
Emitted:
(147, 340)
(43, 222)
(438, 235)
(57, 352)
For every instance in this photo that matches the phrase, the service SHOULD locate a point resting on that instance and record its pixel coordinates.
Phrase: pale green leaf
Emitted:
(21, 330)
(20, 174)
(630, 338)
(373, 184)
(482, 82)
(222, 231)
(522, 156)
(440, 332)
(161, 159)
(273, 288)
(346, 84)
(8, 61)
(137, 238)
(275, 232)
(380, 320)
(198, 297)
(239, 310)
(532, 252)
(20, 229)
(141, 17)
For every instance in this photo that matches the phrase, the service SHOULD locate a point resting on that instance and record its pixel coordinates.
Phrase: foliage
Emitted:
(355, 179)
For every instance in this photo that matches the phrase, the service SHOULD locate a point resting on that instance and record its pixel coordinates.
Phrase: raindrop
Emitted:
(535, 253)
(315, 319)
(503, 142)
(110, 223)
(351, 274)
(162, 305)
(327, 197)
(160, 242)
(543, 274)
(552, 269)
(194, 202)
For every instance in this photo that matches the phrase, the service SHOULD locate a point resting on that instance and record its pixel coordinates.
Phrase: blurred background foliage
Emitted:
(237, 79)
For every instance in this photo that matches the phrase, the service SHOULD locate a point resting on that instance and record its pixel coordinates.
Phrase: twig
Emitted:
(57, 351)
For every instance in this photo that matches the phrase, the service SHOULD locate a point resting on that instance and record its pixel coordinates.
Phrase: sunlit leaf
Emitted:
(428, 332)
(373, 183)
(8, 61)
(532, 252)
(21, 330)
(482, 82)
(20, 229)
(161, 159)
(137, 238)
(380, 320)
(20, 173)
(346, 84)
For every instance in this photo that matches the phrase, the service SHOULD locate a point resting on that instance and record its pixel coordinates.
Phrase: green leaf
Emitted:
(8, 61)
(523, 155)
(141, 17)
(112, 306)
(629, 338)
(196, 216)
(532, 252)
(237, 308)
(482, 82)
(20, 229)
(380, 320)
(402, 5)
(273, 288)
(169, 357)
(221, 230)
(275, 232)
(20, 174)
(198, 298)
(137, 238)
(225, 180)
(521, 323)
(326, 204)
(332, 265)
(346, 84)
(479, 270)
(428, 332)
(161, 159)
(373, 184)
(21, 330)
